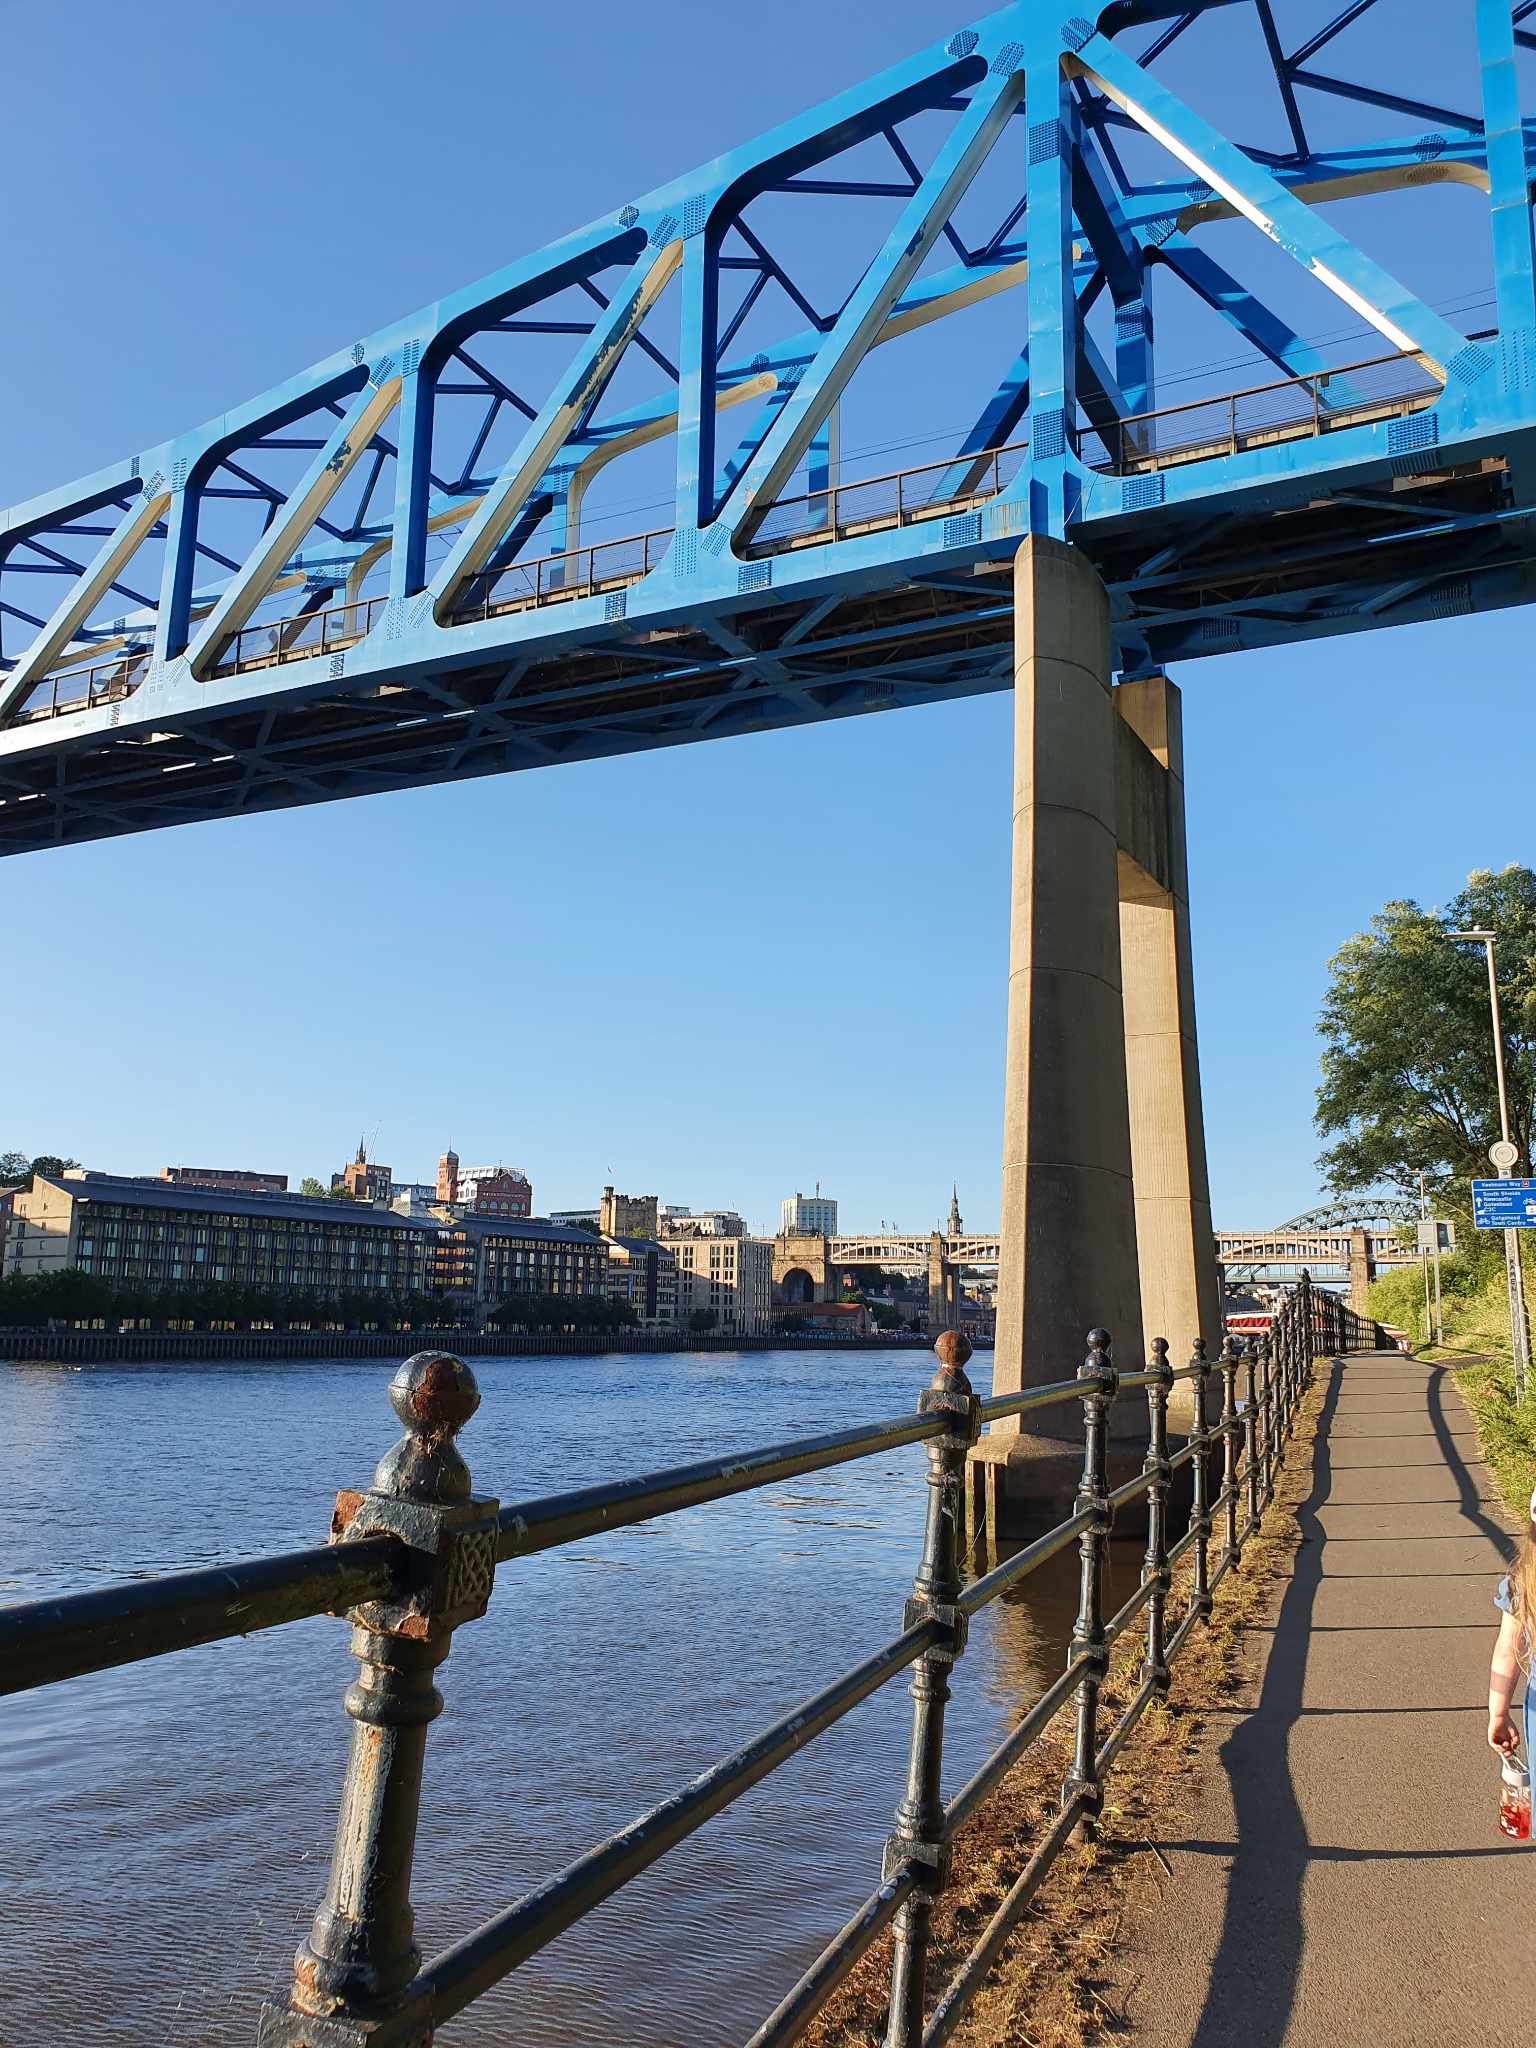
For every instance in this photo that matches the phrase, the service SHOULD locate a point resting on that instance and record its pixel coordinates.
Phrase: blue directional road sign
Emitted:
(1504, 1204)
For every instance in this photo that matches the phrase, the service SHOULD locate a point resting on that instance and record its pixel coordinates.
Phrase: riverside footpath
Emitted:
(1342, 1877)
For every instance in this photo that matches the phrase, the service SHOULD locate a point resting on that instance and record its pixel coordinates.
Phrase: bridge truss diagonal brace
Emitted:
(112, 556)
(1259, 197)
(917, 227)
(345, 447)
(584, 382)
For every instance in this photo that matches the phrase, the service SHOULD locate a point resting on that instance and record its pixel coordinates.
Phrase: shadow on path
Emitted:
(1252, 1989)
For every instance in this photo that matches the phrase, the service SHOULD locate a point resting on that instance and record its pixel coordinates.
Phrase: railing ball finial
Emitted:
(953, 1351)
(434, 1394)
(1160, 1365)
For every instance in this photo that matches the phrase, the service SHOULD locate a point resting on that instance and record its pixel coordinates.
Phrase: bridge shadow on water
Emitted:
(1255, 1971)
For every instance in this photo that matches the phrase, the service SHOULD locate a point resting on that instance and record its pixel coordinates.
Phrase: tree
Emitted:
(703, 1319)
(310, 1186)
(16, 1169)
(1408, 1078)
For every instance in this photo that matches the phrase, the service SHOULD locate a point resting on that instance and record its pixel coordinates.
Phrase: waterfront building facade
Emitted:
(643, 1274)
(627, 1215)
(156, 1234)
(808, 1215)
(487, 1260)
(730, 1276)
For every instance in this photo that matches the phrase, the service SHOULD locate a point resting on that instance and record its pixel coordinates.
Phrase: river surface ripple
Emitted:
(166, 1826)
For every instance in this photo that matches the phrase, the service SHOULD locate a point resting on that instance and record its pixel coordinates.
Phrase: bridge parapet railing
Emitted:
(595, 571)
(300, 636)
(935, 490)
(80, 688)
(415, 1556)
(1292, 408)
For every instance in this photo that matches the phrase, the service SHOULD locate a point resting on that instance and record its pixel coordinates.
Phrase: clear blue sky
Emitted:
(718, 974)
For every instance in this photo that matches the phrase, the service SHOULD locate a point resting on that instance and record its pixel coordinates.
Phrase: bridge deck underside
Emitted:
(1423, 545)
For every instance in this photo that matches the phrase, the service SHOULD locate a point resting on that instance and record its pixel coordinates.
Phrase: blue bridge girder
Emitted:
(326, 593)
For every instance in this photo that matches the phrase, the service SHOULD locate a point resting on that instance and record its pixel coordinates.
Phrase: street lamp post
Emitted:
(1503, 1156)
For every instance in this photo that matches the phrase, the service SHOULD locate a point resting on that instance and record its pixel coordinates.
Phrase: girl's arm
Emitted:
(1502, 1733)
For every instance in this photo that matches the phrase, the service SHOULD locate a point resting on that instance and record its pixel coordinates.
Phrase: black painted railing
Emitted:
(415, 1557)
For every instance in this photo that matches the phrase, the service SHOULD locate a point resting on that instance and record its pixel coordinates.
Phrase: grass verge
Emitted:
(1507, 1433)
(1052, 1987)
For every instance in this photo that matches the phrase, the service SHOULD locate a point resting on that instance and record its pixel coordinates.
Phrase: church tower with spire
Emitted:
(956, 1227)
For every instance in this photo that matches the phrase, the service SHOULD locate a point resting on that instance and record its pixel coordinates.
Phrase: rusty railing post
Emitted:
(917, 1839)
(1233, 1544)
(1308, 1346)
(1269, 1398)
(352, 1976)
(1251, 1432)
(1200, 1506)
(1155, 1569)
(1098, 1380)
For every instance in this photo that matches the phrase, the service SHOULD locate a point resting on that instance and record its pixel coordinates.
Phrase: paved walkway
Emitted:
(1343, 1878)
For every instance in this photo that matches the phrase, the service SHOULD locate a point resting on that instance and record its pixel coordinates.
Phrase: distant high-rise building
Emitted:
(627, 1215)
(808, 1215)
(448, 1176)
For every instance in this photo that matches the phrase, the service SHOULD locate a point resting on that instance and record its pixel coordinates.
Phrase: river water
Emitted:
(166, 1826)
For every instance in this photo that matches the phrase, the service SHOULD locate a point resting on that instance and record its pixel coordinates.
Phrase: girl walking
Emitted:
(1516, 1598)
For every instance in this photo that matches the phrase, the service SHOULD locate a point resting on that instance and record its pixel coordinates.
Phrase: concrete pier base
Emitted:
(1105, 1204)
(1068, 1219)
(1175, 1240)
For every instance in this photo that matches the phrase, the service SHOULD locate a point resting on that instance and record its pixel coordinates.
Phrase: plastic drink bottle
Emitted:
(1515, 1800)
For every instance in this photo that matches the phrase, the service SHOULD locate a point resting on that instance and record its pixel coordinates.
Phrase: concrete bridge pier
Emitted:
(1105, 1209)
(1362, 1269)
(943, 1288)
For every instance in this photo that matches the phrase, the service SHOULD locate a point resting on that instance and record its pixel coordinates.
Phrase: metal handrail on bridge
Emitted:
(105, 682)
(415, 1557)
(1288, 409)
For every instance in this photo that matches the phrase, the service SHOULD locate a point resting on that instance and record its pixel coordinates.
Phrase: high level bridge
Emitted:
(404, 565)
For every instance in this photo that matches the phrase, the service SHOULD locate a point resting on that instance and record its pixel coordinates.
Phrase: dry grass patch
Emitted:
(1052, 1985)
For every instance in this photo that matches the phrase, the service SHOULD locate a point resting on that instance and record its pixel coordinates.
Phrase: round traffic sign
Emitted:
(1503, 1152)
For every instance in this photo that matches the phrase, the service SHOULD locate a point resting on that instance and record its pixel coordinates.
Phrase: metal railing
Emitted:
(415, 1557)
(298, 637)
(938, 490)
(594, 571)
(1291, 409)
(79, 689)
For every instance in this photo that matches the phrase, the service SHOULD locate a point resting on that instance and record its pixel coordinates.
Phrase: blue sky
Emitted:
(718, 974)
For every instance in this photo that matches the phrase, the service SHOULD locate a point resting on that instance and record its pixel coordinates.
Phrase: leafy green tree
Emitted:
(52, 1164)
(1408, 1078)
(310, 1186)
(703, 1319)
(14, 1169)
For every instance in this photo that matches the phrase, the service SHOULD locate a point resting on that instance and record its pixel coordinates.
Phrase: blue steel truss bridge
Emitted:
(421, 559)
